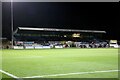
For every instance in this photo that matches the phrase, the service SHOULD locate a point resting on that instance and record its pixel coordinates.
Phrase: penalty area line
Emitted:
(11, 75)
(76, 73)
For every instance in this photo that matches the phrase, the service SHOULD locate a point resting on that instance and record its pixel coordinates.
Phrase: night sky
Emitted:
(67, 15)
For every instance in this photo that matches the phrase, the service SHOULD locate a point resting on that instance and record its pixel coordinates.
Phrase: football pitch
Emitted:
(60, 63)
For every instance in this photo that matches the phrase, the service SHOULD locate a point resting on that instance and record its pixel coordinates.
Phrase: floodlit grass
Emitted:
(26, 63)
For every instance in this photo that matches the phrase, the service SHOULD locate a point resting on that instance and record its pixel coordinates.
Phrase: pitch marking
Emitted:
(11, 75)
(71, 74)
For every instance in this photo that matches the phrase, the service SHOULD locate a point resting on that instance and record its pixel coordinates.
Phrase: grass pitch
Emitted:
(45, 62)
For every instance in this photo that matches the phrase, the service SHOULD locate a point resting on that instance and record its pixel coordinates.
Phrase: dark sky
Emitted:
(68, 15)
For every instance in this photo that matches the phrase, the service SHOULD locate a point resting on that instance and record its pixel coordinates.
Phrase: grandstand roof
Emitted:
(62, 30)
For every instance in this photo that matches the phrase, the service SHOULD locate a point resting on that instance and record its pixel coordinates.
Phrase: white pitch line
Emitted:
(11, 75)
(71, 74)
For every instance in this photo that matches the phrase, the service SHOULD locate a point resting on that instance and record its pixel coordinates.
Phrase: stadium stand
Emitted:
(38, 38)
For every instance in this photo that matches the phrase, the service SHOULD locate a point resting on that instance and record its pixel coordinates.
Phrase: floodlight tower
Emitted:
(12, 23)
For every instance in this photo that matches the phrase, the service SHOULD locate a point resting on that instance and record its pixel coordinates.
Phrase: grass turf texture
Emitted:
(24, 63)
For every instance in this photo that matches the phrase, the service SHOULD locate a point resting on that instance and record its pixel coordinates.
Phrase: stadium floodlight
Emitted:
(12, 23)
(62, 30)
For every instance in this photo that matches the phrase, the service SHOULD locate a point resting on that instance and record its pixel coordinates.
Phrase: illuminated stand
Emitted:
(31, 37)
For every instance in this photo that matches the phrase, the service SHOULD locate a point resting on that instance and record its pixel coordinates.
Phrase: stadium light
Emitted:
(76, 35)
(12, 23)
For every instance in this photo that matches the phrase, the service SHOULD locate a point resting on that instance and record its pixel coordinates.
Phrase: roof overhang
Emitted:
(62, 30)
